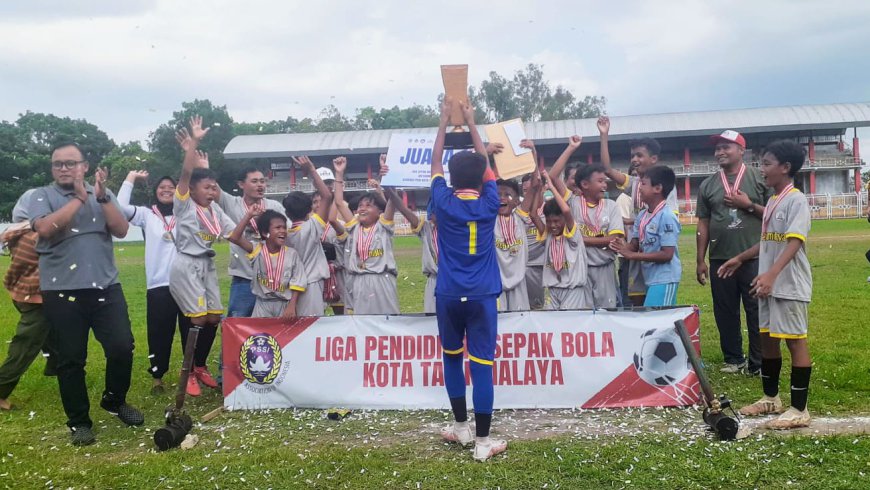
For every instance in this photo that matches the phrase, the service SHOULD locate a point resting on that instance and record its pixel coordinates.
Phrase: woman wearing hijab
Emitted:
(158, 225)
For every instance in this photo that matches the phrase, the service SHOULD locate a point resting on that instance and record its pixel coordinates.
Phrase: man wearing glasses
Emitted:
(79, 281)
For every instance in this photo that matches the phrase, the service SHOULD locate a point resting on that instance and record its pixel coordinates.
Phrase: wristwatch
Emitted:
(104, 199)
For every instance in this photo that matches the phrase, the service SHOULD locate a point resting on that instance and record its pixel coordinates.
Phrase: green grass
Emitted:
(300, 448)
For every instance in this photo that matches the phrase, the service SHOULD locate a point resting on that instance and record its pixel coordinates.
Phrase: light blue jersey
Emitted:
(663, 230)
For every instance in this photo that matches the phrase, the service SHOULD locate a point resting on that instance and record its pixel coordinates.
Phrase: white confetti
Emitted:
(39, 199)
(71, 299)
(53, 279)
(138, 159)
(74, 230)
(93, 284)
(26, 298)
(46, 355)
(59, 295)
(101, 300)
(15, 177)
(150, 356)
(73, 267)
(217, 125)
(154, 369)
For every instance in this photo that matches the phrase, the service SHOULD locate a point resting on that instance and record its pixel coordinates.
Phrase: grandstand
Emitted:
(832, 176)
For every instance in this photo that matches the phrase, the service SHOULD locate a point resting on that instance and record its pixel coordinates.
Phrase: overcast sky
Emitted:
(126, 65)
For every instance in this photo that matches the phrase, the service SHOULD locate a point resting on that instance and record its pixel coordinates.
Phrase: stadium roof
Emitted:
(829, 117)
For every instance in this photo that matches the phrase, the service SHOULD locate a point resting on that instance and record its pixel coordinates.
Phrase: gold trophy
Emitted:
(455, 79)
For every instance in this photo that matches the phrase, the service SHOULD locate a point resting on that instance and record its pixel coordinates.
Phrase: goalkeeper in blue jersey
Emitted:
(469, 281)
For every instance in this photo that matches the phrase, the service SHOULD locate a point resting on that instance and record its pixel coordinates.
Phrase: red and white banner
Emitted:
(558, 359)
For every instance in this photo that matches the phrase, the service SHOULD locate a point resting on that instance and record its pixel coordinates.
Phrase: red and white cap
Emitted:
(730, 136)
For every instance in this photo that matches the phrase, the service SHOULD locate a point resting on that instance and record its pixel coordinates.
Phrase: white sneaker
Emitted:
(791, 419)
(733, 368)
(763, 406)
(459, 432)
(485, 448)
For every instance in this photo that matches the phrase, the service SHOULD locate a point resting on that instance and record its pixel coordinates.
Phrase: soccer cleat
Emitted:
(128, 414)
(791, 419)
(459, 432)
(204, 376)
(488, 449)
(764, 406)
(193, 388)
(733, 368)
(82, 435)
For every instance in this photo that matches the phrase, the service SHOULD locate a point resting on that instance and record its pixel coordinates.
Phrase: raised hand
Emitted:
(100, 177)
(446, 109)
(304, 162)
(79, 183)
(575, 141)
(604, 125)
(201, 159)
(196, 130)
(137, 175)
(339, 164)
(254, 211)
(376, 185)
(494, 148)
(383, 167)
(182, 136)
(468, 113)
(529, 144)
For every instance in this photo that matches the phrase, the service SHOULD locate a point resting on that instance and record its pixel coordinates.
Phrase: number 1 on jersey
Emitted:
(472, 237)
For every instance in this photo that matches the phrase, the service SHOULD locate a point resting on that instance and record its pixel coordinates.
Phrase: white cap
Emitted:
(325, 174)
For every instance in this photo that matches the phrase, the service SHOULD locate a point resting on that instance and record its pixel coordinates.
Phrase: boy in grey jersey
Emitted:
(535, 249)
(279, 277)
(193, 280)
(644, 155)
(427, 231)
(565, 272)
(783, 286)
(252, 183)
(305, 237)
(599, 223)
(510, 248)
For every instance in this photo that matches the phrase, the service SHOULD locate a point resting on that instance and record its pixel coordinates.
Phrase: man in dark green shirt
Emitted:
(730, 206)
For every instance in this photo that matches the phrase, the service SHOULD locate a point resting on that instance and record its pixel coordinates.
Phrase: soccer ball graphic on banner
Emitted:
(661, 359)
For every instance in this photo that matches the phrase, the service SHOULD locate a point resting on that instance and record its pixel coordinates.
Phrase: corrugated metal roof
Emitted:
(789, 118)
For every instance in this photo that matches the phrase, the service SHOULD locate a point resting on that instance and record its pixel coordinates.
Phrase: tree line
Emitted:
(25, 143)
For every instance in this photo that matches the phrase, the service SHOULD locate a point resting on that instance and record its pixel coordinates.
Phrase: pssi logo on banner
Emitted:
(260, 360)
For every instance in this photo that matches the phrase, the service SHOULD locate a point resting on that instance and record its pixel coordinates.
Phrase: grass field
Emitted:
(300, 448)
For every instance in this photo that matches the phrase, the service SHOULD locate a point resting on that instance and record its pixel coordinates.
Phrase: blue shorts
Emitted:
(662, 294)
(472, 320)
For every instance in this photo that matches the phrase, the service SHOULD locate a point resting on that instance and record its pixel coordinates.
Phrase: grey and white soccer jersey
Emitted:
(263, 286)
(235, 208)
(372, 267)
(790, 218)
(601, 220)
(197, 228)
(565, 272)
(535, 267)
(304, 237)
(566, 260)
(193, 280)
(512, 255)
(427, 233)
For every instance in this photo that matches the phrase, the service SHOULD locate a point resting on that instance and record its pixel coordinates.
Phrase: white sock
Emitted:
(457, 426)
(483, 441)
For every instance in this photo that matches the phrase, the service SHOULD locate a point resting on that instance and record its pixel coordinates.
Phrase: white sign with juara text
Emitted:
(410, 160)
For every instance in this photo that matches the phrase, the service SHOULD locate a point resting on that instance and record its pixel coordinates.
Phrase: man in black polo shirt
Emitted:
(730, 207)
(76, 222)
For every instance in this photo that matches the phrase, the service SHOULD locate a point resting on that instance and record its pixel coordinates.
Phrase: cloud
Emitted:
(127, 65)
